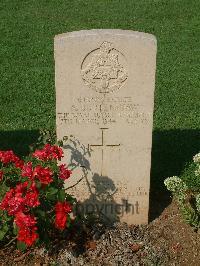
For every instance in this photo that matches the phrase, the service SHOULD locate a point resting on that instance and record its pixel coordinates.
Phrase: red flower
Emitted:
(6, 156)
(40, 154)
(62, 209)
(12, 202)
(49, 152)
(1, 175)
(64, 173)
(9, 157)
(21, 188)
(24, 220)
(28, 236)
(27, 170)
(27, 229)
(60, 221)
(19, 199)
(32, 196)
(19, 163)
(43, 174)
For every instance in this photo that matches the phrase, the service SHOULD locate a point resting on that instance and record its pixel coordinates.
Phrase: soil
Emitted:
(165, 241)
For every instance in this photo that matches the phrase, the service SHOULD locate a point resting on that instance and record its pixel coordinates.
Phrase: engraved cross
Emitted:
(102, 146)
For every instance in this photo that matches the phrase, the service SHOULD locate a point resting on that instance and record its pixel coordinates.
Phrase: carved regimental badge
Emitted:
(104, 69)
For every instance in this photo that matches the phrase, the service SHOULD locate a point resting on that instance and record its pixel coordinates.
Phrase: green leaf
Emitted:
(21, 245)
(59, 143)
(70, 199)
(4, 217)
(23, 179)
(15, 229)
(40, 213)
(2, 234)
(61, 195)
(29, 184)
(51, 193)
(3, 231)
(52, 190)
(38, 184)
(69, 223)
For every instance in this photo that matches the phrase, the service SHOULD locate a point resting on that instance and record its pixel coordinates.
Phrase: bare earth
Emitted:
(165, 241)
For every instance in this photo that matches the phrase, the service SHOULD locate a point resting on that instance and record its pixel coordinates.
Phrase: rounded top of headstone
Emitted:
(136, 34)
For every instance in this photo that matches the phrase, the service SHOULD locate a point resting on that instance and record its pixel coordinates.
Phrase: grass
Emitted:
(27, 91)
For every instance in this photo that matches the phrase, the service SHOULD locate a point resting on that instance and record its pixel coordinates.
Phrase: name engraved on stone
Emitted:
(103, 110)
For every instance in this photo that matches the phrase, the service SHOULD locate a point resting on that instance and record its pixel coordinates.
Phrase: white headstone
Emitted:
(105, 83)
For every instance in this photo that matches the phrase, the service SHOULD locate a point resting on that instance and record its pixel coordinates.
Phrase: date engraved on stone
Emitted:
(104, 69)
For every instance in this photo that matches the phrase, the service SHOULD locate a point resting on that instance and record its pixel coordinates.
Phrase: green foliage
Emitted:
(3, 190)
(191, 216)
(45, 136)
(3, 230)
(190, 179)
(21, 245)
(186, 191)
(61, 195)
(5, 225)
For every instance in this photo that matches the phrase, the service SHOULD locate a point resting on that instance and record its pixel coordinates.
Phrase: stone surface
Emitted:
(105, 83)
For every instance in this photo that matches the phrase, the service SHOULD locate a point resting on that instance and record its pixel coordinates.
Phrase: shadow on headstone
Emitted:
(78, 153)
(100, 204)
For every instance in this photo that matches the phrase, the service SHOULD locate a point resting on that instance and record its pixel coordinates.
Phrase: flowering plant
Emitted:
(35, 203)
(187, 193)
